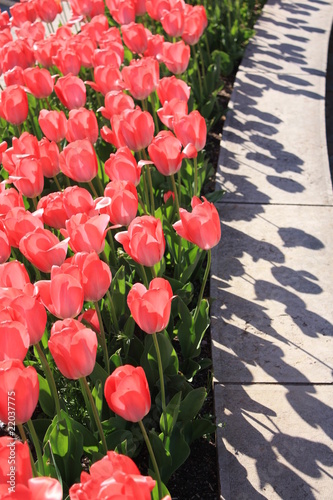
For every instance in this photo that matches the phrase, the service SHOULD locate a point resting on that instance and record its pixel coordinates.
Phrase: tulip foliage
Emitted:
(105, 244)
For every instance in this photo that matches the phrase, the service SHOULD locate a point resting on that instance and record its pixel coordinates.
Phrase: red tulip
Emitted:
(195, 24)
(31, 313)
(122, 166)
(71, 91)
(86, 233)
(176, 56)
(48, 10)
(5, 249)
(13, 274)
(42, 488)
(23, 12)
(113, 476)
(68, 61)
(78, 200)
(107, 78)
(25, 145)
(43, 249)
(73, 347)
(135, 38)
(167, 195)
(127, 393)
(53, 124)
(114, 136)
(171, 87)
(82, 7)
(191, 129)
(111, 54)
(144, 241)
(137, 128)
(141, 77)
(54, 213)
(28, 177)
(82, 124)
(39, 81)
(14, 453)
(151, 308)
(172, 111)
(122, 11)
(85, 47)
(154, 45)
(14, 76)
(19, 222)
(156, 8)
(97, 27)
(14, 337)
(116, 102)
(17, 53)
(90, 317)
(165, 153)
(96, 275)
(22, 383)
(49, 157)
(14, 106)
(45, 50)
(201, 227)
(173, 21)
(62, 295)
(10, 198)
(31, 33)
(78, 161)
(123, 205)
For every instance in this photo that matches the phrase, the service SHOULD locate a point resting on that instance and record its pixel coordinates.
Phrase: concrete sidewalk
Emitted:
(272, 274)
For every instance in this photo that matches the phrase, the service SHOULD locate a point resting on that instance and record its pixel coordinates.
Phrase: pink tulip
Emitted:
(171, 87)
(28, 177)
(176, 56)
(86, 233)
(135, 38)
(43, 249)
(19, 222)
(23, 470)
(82, 124)
(141, 77)
(123, 205)
(122, 166)
(39, 81)
(54, 213)
(63, 295)
(151, 308)
(96, 275)
(71, 91)
(137, 128)
(78, 161)
(191, 129)
(116, 102)
(53, 124)
(49, 157)
(14, 105)
(107, 78)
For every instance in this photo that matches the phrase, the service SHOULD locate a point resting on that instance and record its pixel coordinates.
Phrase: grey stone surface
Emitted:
(272, 278)
(275, 442)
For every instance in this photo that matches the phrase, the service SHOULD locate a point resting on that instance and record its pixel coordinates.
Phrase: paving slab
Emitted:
(274, 147)
(272, 281)
(275, 442)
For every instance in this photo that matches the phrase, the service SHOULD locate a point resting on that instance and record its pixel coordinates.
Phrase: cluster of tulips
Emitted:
(101, 159)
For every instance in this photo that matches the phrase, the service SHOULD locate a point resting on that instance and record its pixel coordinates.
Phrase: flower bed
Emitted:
(105, 243)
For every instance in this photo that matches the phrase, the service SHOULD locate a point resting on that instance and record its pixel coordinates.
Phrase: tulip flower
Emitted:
(78, 200)
(78, 161)
(26, 144)
(107, 78)
(71, 91)
(171, 87)
(63, 295)
(154, 45)
(48, 10)
(141, 77)
(22, 383)
(115, 102)
(173, 21)
(165, 153)
(10, 447)
(90, 317)
(49, 157)
(123, 205)
(191, 129)
(43, 249)
(28, 177)
(53, 124)
(10, 198)
(5, 249)
(151, 308)
(82, 124)
(202, 226)
(73, 347)
(13, 274)
(135, 38)
(86, 233)
(39, 82)
(17, 53)
(172, 111)
(137, 128)
(14, 105)
(195, 24)
(22, 13)
(144, 241)
(176, 56)
(109, 55)
(156, 8)
(122, 166)
(14, 76)
(32, 315)
(14, 338)
(19, 222)
(96, 275)
(122, 11)
(68, 61)
(127, 393)
(54, 213)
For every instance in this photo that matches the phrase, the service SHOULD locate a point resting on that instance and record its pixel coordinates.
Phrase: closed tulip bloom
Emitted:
(53, 124)
(54, 213)
(156, 8)
(32, 314)
(109, 55)
(137, 128)
(176, 56)
(171, 87)
(28, 177)
(31, 32)
(5, 249)
(10, 198)
(165, 153)
(73, 347)
(173, 22)
(201, 226)
(43, 249)
(135, 38)
(151, 308)
(13, 274)
(127, 393)
(14, 338)
(191, 129)
(14, 105)
(172, 111)
(122, 11)
(96, 275)
(22, 12)
(19, 222)
(78, 161)
(86, 233)
(123, 205)
(71, 91)
(68, 61)
(48, 10)
(42, 488)
(122, 166)
(154, 45)
(90, 318)
(82, 124)
(141, 77)
(115, 135)
(115, 103)
(17, 53)
(49, 157)
(39, 81)
(107, 78)
(23, 382)
(85, 47)
(23, 470)
(62, 295)
(26, 144)
(195, 24)
(78, 200)
(144, 241)
(14, 76)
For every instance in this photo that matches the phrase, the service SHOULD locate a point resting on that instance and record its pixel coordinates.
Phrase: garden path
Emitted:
(272, 273)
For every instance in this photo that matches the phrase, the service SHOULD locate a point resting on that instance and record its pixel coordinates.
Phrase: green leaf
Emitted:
(215, 197)
(192, 404)
(118, 291)
(97, 394)
(45, 399)
(169, 358)
(98, 374)
(172, 411)
(197, 428)
(163, 457)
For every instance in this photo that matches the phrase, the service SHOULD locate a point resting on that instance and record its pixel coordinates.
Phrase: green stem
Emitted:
(103, 339)
(153, 105)
(174, 187)
(38, 450)
(50, 378)
(209, 259)
(57, 183)
(144, 275)
(203, 67)
(153, 272)
(195, 175)
(194, 52)
(86, 389)
(160, 371)
(24, 439)
(92, 187)
(113, 311)
(152, 457)
(114, 260)
(150, 184)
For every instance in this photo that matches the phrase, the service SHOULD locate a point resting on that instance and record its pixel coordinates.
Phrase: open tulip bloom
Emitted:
(101, 157)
